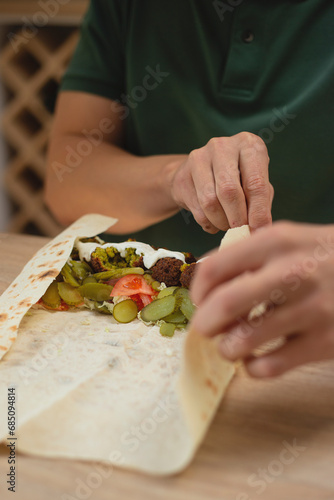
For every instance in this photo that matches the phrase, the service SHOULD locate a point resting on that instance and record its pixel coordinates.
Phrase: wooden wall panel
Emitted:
(30, 74)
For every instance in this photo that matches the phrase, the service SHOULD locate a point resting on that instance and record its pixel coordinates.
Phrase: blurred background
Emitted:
(37, 39)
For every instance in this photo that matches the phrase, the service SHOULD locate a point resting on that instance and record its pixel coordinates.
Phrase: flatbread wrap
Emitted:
(90, 388)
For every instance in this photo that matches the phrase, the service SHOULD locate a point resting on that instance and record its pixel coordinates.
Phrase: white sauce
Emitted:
(150, 256)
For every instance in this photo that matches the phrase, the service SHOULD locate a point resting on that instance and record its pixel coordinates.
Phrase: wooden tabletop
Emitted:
(270, 440)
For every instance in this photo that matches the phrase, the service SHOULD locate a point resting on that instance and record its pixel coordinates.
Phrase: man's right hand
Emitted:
(225, 183)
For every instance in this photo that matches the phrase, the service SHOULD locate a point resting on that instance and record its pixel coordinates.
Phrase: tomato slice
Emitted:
(63, 306)
(132, 284)
(146, 299)
(142, 300)
(136, 298)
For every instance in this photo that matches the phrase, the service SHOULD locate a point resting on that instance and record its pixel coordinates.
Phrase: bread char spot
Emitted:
(211, 385)
(25, 302)
(52, 273)
(3, 317)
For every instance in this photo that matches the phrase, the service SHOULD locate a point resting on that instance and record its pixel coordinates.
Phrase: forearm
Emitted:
(110, 181)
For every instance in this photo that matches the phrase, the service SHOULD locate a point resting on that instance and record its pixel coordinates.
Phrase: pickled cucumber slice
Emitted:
(51, 297)
(80, 269)
(180, 326)
(188, 309)
(148, 278)
(158, 309)
(102, 308)
(125, 311)
(175, 317)
(99, 292)
(156, 285)
(167, 291)
(69, 294)
(89, 279)
(68, 276)
(184, 301)
(118, 273)
(167, 329)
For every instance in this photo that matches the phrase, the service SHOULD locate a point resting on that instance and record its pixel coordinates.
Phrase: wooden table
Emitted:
(270, 440)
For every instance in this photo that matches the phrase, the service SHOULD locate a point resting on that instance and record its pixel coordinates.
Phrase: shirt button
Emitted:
(247, 36)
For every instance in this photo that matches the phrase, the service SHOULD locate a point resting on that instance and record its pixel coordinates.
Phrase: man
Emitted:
(165, 112)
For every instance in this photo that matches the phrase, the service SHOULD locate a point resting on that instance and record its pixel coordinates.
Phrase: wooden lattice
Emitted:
(30, 77)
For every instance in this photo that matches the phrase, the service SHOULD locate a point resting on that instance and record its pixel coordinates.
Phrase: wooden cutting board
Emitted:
(270, 440)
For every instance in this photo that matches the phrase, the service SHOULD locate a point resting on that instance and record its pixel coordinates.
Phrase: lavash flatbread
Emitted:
(89, 388)
(39, 272)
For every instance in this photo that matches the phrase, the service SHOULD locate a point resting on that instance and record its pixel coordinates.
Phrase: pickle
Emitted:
(158, 309)
(118, 273)
(167, 329)
(125, 311)
(180, 326)
(167, 291)
(51, 297)
(80, 269)
(156, 286)
(152, 282)
(175, 317)
(184, 301)
(69, 294)
(68, 276)
(148, 278)
(89, 279)
(102, 309)
(99, 292)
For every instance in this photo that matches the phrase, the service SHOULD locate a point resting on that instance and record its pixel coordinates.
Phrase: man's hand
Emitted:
(225, 183)
(288, 266)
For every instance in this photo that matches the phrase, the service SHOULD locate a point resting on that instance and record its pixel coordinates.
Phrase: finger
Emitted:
(246, 255)
(254, 163)
(208, 201)
(199, 215)
(229, 192)
(296, 351)
(222, 266)
(251, 333)
(234, 299)
(187, 193)
(203, 221)
(228, 302)
(272, 194)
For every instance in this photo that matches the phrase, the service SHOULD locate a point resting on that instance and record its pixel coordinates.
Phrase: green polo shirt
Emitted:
(189, 70)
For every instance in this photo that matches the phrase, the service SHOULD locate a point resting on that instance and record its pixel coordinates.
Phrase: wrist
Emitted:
(167, 178)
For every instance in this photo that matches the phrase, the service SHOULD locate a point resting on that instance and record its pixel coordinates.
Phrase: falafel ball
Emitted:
(189, 258)
(187, 275)
(168, 271)
(139, 263)
(97, 264)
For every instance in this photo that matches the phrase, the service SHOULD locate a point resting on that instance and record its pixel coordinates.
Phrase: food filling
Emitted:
(127, 280)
